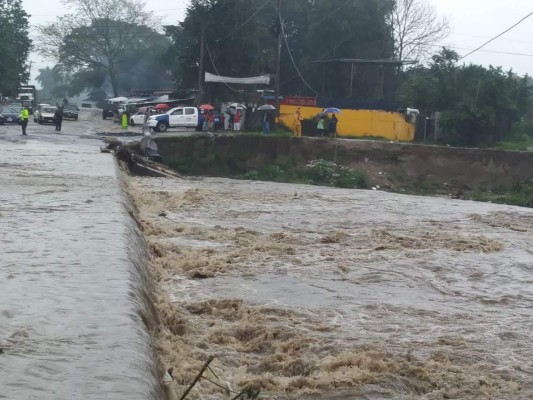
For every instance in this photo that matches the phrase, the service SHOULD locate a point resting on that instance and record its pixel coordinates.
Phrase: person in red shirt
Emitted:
(237, 121)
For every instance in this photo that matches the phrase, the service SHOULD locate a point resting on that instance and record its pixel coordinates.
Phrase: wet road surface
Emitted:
(69, 270)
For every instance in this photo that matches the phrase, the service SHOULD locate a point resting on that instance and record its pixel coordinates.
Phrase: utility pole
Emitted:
(29, 73)
(199, 93)
(278, 68)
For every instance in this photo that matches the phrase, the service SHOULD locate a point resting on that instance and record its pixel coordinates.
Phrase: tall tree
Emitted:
(416, 28)
(15, 45)
(241, 40)
(340, 29)
(101, 40)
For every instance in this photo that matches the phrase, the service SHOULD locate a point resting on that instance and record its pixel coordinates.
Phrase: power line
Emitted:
(245, 22)
(497, 36)
(485, 51)
(486, 37)
(327, 15)
(215, 67)
(290, 54)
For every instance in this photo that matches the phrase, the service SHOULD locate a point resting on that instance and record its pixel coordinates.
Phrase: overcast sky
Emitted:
(473, 22)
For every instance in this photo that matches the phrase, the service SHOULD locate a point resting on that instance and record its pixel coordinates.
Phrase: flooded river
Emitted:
(314, 292)
(298, 291)
(70, 272)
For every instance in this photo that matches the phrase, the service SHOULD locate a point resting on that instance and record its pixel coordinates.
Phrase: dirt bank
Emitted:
(387, 164)
(309, 292)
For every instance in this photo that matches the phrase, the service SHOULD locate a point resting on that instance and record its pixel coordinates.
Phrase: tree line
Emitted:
(476, 105)
(117, 46)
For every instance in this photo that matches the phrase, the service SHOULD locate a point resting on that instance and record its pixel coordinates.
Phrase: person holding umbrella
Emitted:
(237, 121)
(333, 125)
(266, 123)
(266, 117)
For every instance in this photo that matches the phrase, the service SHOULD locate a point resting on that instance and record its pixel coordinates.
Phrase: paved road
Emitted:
(69, 278)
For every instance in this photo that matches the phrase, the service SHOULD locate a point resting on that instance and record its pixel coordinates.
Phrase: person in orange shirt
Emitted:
(297, 123)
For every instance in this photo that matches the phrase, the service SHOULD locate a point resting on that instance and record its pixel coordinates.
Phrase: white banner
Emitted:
(254, 80)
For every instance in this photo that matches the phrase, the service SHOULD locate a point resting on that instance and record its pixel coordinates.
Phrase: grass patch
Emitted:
(515, 146)
(319, 172)
(519, 195)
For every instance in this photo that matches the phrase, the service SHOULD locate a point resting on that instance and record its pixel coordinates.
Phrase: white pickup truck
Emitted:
(179, 117)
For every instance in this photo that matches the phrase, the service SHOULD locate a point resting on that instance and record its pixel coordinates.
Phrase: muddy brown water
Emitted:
(70, 273)
(311, 292)
(301, 291)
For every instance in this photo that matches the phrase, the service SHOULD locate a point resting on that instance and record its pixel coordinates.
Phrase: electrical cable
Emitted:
(485, 51)
(487, 37)
(290, 55)
(496, 37)
(327, 15)
(323, 55)
(215, 67)
(245, 22)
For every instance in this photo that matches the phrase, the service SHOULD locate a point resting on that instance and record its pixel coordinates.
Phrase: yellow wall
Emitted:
(390, 125)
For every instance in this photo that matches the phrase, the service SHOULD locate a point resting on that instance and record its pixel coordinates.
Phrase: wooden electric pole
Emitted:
(278, 67)
(200, 92)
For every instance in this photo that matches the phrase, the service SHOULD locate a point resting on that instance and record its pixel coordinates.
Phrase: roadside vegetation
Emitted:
(519, 195)
(318, 172)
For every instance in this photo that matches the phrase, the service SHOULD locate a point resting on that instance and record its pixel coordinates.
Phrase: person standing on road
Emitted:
(58, 118)
(24, 118)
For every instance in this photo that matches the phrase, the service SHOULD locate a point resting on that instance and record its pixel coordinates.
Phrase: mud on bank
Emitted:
(311, 292)
(402, 165)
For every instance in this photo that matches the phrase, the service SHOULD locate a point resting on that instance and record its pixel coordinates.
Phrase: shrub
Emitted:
(322, 172)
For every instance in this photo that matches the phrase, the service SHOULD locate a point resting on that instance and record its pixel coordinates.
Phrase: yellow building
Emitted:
(359, 123)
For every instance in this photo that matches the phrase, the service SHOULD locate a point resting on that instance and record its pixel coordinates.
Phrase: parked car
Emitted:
(186, 117)
(11, 115)
(2, 119)
(46, 114)
(70, 111)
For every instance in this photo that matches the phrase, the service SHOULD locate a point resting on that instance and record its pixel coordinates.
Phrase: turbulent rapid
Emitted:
(312, 292)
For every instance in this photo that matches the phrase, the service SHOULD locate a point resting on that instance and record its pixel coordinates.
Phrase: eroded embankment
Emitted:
(391, 165)
(304, 291)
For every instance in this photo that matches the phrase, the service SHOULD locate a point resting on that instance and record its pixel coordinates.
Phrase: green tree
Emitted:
(106, 41)
(241, 40)
(477, 105)
(338, 29)
(15, 45)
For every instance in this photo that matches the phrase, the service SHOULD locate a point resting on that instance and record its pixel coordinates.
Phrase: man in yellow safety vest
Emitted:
(24, 118)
